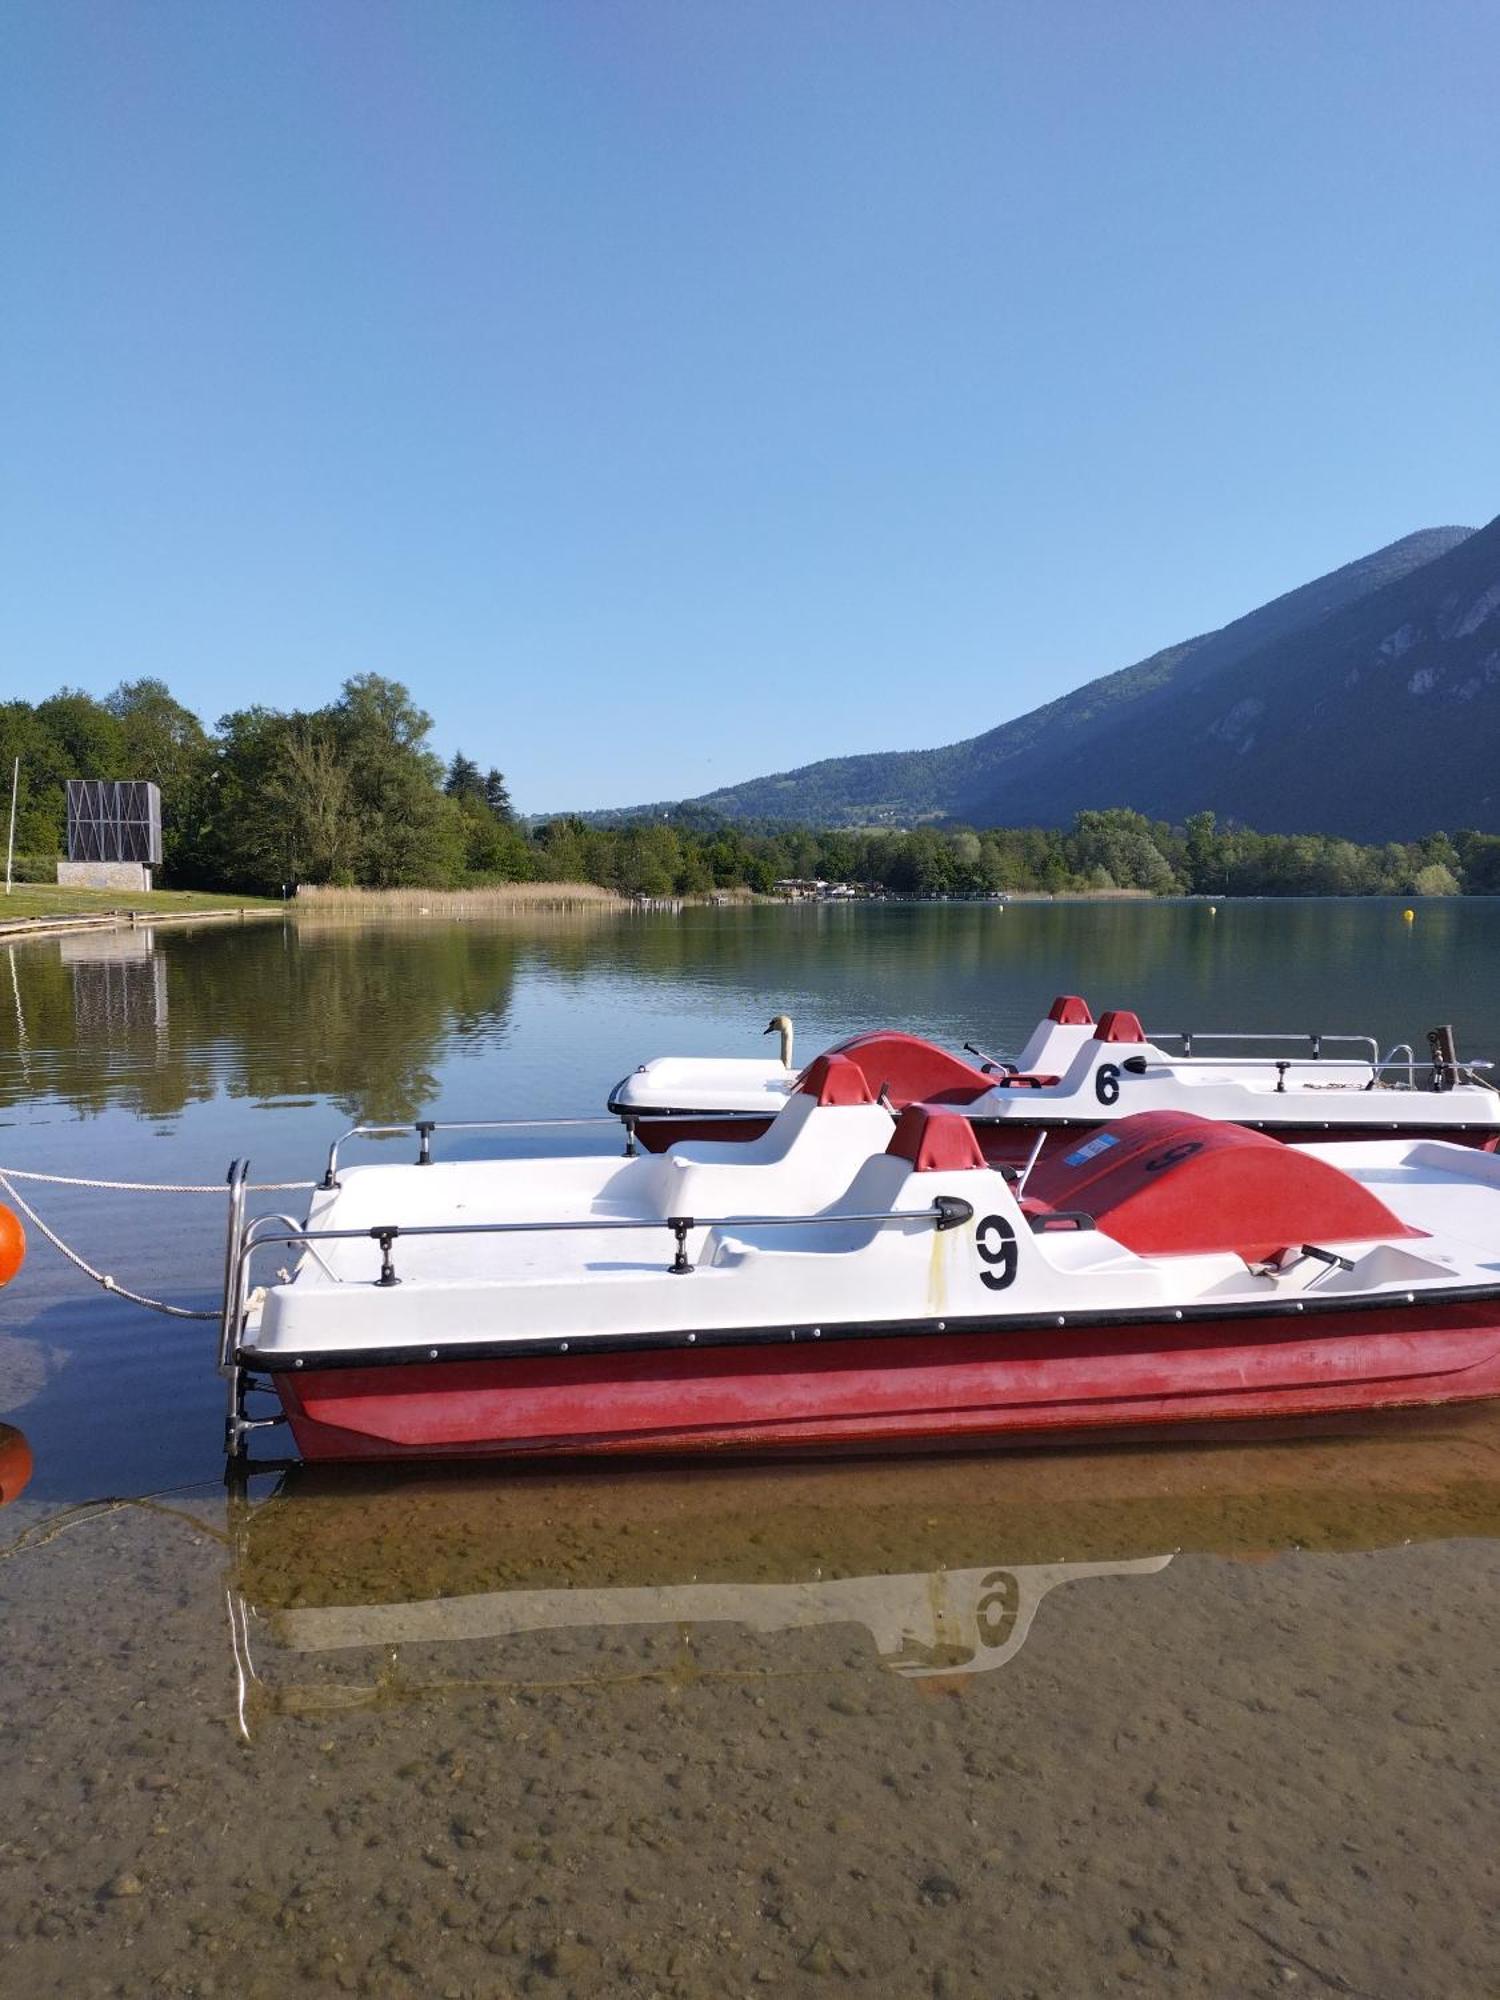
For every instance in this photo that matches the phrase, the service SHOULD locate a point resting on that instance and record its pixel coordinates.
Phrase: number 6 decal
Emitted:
(996, 1242)
(1107, 1083)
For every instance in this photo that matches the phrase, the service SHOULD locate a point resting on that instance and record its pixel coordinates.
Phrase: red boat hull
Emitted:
(878, 1393)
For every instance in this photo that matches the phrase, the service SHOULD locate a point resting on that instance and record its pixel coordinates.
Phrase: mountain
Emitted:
(1296, 717)
(1378, 721)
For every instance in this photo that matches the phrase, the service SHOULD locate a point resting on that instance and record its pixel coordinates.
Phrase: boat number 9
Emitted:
(995, 1612)
(996, 1243)
(1172, 1157)
(1107, 1083)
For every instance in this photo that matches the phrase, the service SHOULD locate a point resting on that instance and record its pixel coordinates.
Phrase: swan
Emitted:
(782, 1024)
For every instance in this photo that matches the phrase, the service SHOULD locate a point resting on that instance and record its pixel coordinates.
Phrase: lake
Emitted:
(1185, 1720)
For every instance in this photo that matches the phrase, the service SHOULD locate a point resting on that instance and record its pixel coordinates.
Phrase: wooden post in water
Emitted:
(10, 845)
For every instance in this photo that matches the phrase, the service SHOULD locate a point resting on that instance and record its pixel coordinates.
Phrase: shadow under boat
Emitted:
(351, 1589)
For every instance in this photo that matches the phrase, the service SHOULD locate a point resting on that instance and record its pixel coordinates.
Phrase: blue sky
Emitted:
(669, 393)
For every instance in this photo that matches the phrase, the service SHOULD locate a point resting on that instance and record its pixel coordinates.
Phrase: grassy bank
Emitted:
(44, 899)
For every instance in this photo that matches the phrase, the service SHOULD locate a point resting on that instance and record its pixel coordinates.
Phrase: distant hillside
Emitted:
(1292, 717)
(1379, 721)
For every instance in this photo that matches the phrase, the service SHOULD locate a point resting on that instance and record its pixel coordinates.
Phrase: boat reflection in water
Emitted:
(370, 1586)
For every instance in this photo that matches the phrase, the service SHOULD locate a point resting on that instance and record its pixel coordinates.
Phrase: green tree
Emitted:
(1479, 857)
(496, 796)
(409, 833)
(1434, 880)
(166, 743)
(463, 780)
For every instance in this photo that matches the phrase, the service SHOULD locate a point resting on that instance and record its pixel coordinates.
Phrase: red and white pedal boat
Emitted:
(852, 1279)
(1075, 1071)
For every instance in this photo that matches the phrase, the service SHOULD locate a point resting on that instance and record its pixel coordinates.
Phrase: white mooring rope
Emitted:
(8, 1174)
(154, 1187)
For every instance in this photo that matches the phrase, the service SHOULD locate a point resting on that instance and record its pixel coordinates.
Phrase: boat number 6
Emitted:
(1107, 1083)
(996, 1243)
(1172, 1157)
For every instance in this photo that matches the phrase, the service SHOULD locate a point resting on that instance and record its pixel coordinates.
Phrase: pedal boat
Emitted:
(1076, 1072)
(854, 1280)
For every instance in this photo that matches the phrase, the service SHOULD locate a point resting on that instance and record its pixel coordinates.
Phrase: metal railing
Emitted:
(945, 1212)
(425, 1127)
(1375, 1063)
(1314, 1039)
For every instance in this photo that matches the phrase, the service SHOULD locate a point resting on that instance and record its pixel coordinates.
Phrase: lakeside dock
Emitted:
(66, 924)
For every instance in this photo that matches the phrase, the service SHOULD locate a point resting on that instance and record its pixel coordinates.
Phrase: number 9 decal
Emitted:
(996, 1242)
(1107, 1083)
(996, 1610)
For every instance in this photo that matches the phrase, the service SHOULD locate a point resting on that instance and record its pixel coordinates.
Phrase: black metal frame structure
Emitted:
(114, 819)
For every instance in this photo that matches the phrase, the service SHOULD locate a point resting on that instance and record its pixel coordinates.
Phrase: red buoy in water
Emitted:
(12, 1245)
(15, 1463)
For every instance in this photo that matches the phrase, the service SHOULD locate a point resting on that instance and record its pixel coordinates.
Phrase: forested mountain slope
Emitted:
(1158, 736)
(1380, 721)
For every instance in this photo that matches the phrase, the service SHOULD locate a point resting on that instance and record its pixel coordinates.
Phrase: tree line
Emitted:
(351, 793)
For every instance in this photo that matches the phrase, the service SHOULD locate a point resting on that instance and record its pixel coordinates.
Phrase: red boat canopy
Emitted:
(1167, 1183)
(910, 1070)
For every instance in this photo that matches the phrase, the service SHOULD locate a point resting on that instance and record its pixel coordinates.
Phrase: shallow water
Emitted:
(1186, 1720)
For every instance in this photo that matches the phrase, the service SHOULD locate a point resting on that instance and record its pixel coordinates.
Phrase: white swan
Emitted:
(782, 1024)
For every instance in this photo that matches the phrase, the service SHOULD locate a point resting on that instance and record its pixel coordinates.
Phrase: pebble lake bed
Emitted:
(1207, 1718)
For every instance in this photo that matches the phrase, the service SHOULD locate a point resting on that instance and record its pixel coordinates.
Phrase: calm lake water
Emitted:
(1211, 1720)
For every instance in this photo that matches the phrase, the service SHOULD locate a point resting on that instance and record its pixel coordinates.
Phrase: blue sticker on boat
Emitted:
(1091, 1151)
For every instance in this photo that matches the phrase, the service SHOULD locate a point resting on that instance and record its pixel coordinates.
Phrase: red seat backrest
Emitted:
(833, 1079)
(1069, 1011)
(915, 1071)
(935, 1140)
(1119, 1026)
(1168, 1183)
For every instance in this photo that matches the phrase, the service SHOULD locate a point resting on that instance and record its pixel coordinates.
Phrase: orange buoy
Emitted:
(12, 1245)
(15, 1463)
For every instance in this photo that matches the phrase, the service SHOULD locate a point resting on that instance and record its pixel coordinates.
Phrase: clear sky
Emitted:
(670, 393)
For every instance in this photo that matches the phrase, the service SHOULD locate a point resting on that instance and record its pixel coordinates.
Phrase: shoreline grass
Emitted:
(483, 900)
(46, 899)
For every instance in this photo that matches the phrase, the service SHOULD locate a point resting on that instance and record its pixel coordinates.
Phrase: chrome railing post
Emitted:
(230, 1323)
(239, 1171)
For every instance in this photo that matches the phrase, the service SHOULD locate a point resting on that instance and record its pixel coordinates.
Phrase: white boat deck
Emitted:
(1092, 1080)
(769, 1246)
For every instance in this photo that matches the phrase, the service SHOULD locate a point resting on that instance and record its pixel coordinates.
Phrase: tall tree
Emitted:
(497, 797)
(409, 833)
(463, 780)
(165, 742)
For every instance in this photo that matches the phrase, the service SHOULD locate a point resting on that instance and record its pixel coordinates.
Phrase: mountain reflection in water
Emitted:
(371, 1585)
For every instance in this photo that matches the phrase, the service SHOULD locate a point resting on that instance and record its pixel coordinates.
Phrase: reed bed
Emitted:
(495, 899)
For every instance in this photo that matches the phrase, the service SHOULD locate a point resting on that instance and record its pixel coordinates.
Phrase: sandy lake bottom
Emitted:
(993, 1727)
(1202, 1721)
